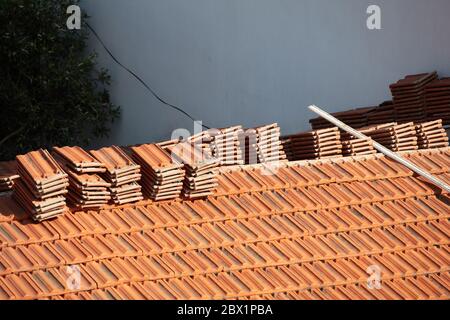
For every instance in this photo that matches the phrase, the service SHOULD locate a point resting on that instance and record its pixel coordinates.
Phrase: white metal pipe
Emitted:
(441, 184)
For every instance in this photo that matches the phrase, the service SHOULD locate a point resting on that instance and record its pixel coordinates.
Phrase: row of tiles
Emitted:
(325, 172)
(291, 276)
(13, 233)
(424, 287)
(191, 255)
(432, 286)
(258, 228)
(302, 198)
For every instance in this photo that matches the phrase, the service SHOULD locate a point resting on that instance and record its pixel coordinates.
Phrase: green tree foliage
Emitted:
(51, 90)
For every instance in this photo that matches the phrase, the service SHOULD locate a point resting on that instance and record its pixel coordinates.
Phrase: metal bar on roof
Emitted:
(437, 182)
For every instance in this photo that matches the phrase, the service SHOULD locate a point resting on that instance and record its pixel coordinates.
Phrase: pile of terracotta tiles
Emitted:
(397, 137)
(122, 173)
(409, 96)
(431, 135)
(263, 144)
(226, 145)
(222, 144)
(356, 118)
(162, 176)
(316, 144)
(249, 146)
(201, 170)
(384, 113)
(42, 185)
(417, 98)
(437, 100)
(352, 146)
(8, 175)
(202, 140)
(87, 189)
(168, 143)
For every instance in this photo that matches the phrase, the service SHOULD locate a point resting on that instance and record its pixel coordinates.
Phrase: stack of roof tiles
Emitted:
(122, 173)
(249, 146)
(226, 145)
(263, 144)
(397, 137)
(360, 117)
(437, 100)
(313, 144)
(222, 144)
(168, 143)
(87, 189)
(8, 175)
(356, 118)
(384, 113)
(202, 140)
(162, 176)
(417, 98)
(409, 96)
(431, 135)
(316, 230)
(42, 185)
(352, 146)
(201, 170)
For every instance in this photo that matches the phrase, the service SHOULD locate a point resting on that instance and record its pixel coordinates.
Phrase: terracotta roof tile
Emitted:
(79, 160)
(40, 167)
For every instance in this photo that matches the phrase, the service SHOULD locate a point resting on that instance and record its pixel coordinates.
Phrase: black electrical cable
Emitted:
(139, 78)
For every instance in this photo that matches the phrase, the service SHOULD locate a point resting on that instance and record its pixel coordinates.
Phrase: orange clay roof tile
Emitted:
(154, 156)
(78, 159)
(310, 232)
(40, 167)
(115, 160)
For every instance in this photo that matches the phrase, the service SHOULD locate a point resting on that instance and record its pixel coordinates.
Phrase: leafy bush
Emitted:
(51, 90)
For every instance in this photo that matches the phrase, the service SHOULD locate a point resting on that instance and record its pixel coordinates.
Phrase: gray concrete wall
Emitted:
(254, 62)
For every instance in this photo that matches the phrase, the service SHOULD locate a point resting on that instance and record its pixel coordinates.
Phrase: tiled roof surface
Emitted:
(308, 232)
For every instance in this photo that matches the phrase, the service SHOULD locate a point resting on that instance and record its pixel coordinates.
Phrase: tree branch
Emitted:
(12, 134)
